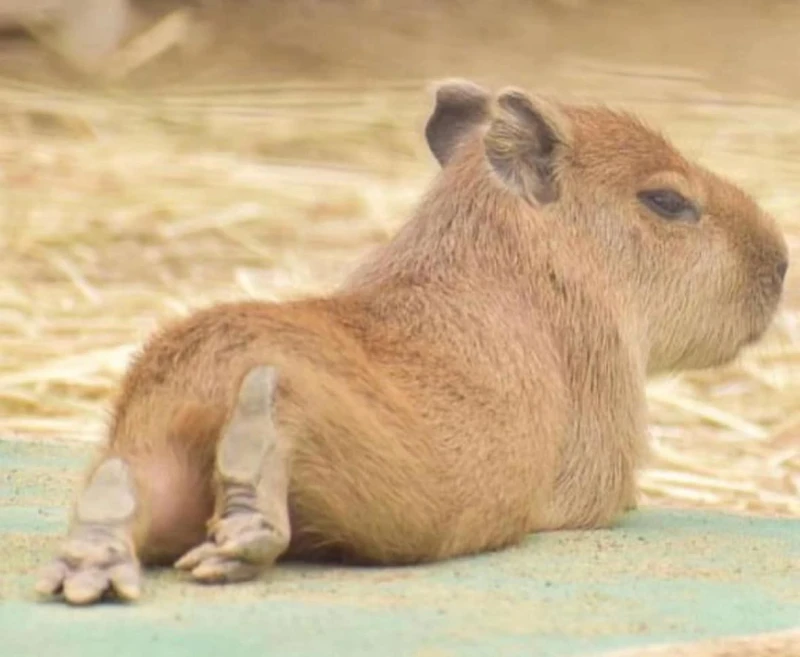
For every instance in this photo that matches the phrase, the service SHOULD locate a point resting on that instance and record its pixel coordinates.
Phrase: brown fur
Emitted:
(482, 375)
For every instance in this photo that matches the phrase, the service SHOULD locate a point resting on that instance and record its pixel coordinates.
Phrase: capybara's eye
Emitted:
(669, 204)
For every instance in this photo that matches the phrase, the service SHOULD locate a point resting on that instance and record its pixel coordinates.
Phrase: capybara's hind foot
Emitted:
(250, 527)
(240, 546)
(98, 556)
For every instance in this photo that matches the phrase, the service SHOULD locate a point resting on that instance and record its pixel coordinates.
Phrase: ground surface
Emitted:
(662, 576)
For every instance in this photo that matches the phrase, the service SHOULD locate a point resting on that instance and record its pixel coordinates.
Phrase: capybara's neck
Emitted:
(478, 232)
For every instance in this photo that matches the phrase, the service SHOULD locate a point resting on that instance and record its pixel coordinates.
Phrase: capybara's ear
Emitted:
(525, 142)
(461, 106)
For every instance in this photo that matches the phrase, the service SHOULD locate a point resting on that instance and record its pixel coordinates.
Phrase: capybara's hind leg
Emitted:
(98, 556)
(250, 526)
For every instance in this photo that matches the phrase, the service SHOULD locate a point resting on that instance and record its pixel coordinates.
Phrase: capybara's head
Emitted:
(700, 263)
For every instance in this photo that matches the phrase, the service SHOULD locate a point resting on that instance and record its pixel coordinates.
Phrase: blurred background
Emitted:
(158, 155)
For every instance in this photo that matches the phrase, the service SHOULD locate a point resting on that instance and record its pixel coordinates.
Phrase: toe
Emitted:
(85, 586)
(51, 577)
(126, 580)
(195, 556)
(219, 569)
(211, 569)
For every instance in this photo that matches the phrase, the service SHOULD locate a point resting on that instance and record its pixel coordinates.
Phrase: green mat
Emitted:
(660, 576)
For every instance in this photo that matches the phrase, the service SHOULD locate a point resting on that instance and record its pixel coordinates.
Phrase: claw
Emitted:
(195, 556)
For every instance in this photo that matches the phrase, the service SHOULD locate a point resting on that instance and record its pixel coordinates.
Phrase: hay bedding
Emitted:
(120, 212)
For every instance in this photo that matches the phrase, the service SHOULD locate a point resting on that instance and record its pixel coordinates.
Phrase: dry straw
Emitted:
(118, 212)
